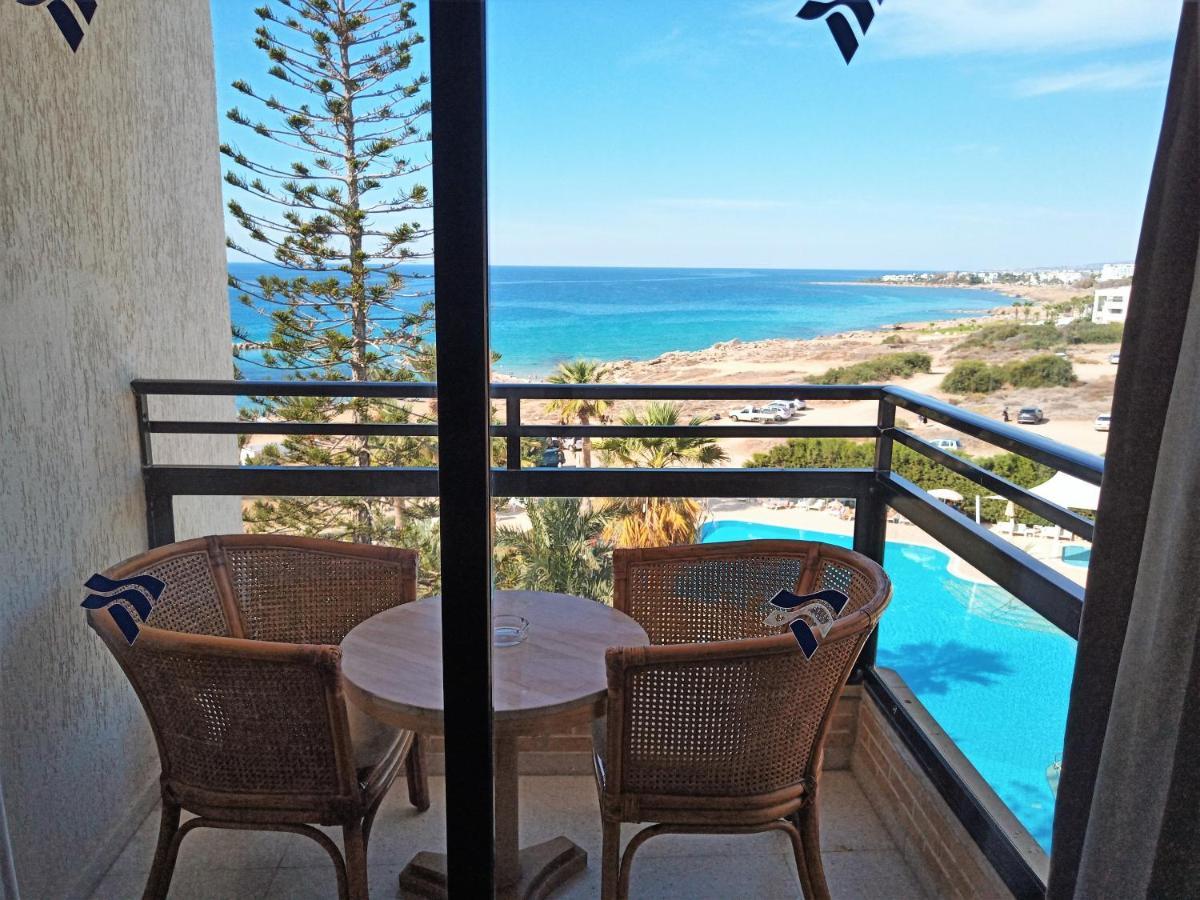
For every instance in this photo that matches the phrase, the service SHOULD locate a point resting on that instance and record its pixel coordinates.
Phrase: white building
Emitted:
(1059, 276)
(1116, 271)
(1110, 305)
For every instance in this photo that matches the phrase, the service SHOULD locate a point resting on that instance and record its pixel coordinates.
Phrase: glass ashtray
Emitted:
(509, 630)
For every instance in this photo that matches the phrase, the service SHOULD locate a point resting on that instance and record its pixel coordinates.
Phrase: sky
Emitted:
(965, 134)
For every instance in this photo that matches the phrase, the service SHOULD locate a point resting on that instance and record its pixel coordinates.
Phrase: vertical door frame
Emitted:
(459, 113)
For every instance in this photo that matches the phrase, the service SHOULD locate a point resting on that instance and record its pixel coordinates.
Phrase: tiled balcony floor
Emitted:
(861, 861)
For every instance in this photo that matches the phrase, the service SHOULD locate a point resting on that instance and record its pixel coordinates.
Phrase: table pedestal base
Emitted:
(543, 867)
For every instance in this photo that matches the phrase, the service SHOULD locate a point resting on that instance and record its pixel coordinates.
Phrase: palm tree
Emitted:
(580, 371)
(563, 550)
(657, 521)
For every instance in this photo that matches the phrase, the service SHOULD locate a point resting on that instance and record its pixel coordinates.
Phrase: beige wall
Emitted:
(111, 267)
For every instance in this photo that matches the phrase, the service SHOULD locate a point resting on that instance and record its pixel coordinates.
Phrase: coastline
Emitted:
(734, 349)
(1036, 293)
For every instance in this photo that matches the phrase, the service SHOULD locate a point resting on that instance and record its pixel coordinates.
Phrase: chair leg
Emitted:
(417, 775)
(631, 848)
(165, 853)
(356, 861)
(610, 860)
(806, 885)
(369, 820)
(810, 836)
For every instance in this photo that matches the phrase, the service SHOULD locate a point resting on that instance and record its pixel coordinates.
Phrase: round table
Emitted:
(553, 680)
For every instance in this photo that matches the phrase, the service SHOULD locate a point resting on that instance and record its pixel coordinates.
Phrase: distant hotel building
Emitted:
(1110, 304)
(1058, 276)
(1116, 271)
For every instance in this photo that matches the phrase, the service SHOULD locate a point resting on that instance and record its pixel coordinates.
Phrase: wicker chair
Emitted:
(238, 670)
(719, 725)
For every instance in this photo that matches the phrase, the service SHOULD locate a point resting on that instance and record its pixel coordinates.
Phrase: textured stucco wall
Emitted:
(111, 267)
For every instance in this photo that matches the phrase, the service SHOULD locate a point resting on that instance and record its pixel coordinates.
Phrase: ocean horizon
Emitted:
(542, 315)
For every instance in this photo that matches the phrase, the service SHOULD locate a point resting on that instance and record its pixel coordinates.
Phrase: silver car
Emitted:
(1030, 415)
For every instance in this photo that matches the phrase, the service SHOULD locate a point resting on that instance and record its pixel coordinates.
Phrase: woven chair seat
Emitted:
(371, 740)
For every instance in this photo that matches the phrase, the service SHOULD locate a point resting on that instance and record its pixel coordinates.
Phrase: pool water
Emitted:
(1077, 556)
(995, 675)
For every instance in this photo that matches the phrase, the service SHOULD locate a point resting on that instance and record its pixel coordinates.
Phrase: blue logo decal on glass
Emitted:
(65, 19)
(809, 617)
(839, 26)
(111, 592)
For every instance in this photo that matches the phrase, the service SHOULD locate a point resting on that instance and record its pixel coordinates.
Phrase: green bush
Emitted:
(1015, 336)
(1087, 332)
(881, 368)
(973, 376)
(893, 340)
(1040, 371)
(839, 453)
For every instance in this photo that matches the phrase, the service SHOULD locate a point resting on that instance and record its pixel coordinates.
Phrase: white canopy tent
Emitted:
(1069, 491)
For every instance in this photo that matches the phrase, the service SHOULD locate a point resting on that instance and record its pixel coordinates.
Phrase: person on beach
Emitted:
(1005, 414)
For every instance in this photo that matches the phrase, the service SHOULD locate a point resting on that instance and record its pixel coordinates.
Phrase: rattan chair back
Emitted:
(719, 725)
(238, 670)
(721, 705)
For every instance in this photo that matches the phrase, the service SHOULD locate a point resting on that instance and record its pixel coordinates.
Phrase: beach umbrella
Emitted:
(947, 495)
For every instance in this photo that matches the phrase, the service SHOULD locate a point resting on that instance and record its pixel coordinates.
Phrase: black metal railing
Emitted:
(874, 490)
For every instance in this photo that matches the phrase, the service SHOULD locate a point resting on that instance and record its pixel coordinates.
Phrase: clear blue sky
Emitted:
(965, 134)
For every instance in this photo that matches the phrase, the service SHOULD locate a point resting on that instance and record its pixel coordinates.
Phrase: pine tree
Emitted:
(343, 219)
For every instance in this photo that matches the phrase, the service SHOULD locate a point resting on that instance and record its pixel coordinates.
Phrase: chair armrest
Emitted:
(234, 716)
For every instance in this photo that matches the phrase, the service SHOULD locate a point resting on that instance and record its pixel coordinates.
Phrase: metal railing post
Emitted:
(160, 508)
(870, 518)
(512, 440)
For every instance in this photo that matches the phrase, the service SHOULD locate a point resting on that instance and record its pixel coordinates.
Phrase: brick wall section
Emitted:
(570, 753)
(932, 841)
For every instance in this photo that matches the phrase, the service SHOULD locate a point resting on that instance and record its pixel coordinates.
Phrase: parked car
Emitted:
(951, 445)
(1030, 415)
(1102, 422)
(1114, 358)
(759, 414)
(783, 406)
(796, 405)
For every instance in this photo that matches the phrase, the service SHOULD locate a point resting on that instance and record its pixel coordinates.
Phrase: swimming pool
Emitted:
(994, 674)
(1077, 556)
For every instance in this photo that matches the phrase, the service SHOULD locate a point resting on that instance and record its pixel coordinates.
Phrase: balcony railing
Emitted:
(874, 490)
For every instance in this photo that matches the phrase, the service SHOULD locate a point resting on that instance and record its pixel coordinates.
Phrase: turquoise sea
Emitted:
(542, 315)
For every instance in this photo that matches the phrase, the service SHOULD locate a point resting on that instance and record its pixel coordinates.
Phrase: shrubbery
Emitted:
(881, 368)
(924, 472)
(975, 377)
(1040, 371)
(1044, 336)
(1016, 336)
(1086, 332)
